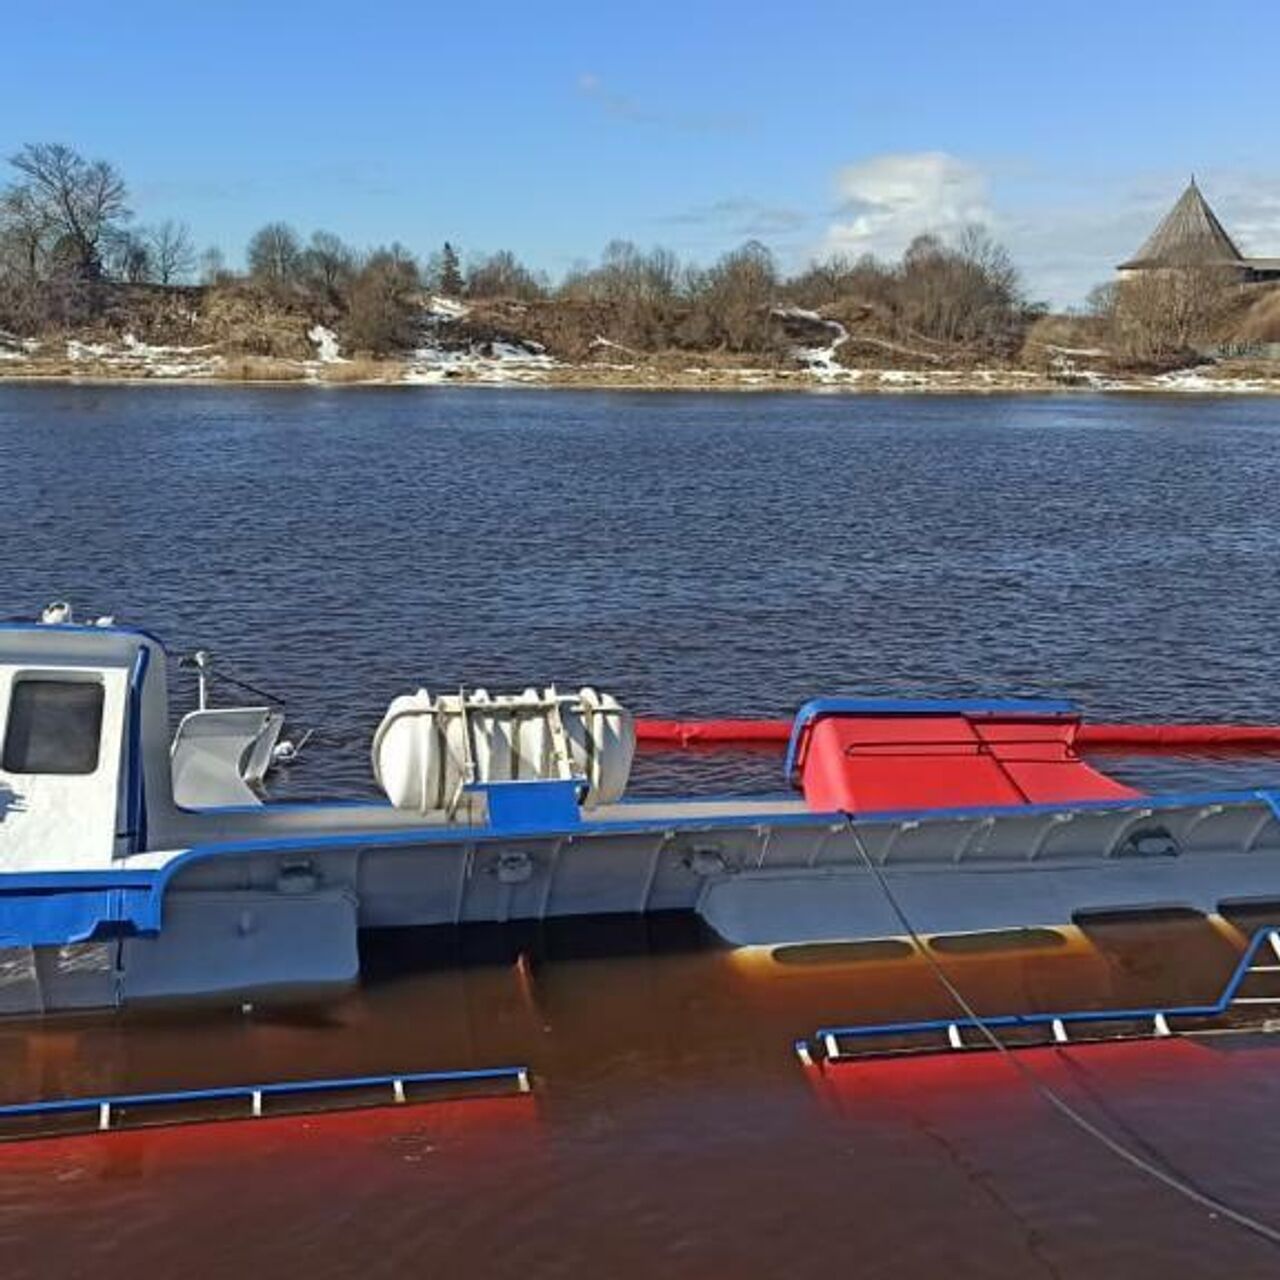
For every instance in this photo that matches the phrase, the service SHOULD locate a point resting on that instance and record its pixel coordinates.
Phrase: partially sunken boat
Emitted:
(136, 867)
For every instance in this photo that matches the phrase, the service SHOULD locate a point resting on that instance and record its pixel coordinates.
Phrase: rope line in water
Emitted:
(1174, 1181)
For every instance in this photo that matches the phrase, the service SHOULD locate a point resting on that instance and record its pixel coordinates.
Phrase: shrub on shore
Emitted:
(362, 370)
(261, 369)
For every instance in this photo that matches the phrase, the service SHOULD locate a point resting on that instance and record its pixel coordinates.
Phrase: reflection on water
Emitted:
(671, 1127)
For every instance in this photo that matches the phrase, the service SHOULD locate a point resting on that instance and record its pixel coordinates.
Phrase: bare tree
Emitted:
(213, 266)
(383, 303)
(172, 252)
(128, 257)
(822, 282)
(24, 232)
(633, 297)
(1101, 301)
(503, 275)
(327, 266)
(626, 276)
(275, 256)
(735, 297)
(1159, 316)
(967, 293)
(81, 201)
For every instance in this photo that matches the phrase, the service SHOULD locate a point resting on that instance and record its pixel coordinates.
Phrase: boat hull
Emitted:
(281, 919)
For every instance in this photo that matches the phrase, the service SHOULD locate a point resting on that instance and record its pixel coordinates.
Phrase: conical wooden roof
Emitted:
(1189, 236)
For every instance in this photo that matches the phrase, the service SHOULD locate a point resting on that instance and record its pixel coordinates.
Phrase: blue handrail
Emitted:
(1217, 1008)
(254, 1093)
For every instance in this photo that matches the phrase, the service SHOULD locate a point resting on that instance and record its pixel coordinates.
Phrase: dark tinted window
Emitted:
(799, 953)
(54, 727)
(960, 944)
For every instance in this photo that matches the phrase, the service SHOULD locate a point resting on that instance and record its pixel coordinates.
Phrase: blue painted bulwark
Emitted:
(828, 1038)
(62, 916)
(514, 1080)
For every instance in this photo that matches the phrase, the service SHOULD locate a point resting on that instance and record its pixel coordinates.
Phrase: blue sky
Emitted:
(551, 128)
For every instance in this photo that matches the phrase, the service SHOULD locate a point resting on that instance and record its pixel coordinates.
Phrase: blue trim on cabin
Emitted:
(818, 708)
(135, 766)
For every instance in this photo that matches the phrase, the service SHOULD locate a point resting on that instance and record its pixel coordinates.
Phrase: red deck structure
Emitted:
(878, 756)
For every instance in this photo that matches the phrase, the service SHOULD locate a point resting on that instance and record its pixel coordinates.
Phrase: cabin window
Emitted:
(55, 726)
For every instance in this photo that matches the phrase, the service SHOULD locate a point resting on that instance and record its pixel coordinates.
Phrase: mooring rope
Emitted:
(1167, 1176)
(243, 685)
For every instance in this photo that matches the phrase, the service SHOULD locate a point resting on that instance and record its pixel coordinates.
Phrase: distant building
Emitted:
(1190, 236)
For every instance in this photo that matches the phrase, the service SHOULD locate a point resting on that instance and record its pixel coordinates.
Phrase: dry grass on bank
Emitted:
(241, 319)
(362, 370)
(260, 369)
(1261, 320)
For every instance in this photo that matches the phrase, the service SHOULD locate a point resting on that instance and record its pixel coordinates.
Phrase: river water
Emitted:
(696, 555)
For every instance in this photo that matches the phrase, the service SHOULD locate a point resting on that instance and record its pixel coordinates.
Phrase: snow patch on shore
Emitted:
(442, 357)
(820, 362)
(326, 344)
(13, 347)
(132, 358)
(599, 342)
(447, 308)
(479, 362)
(1196, 381)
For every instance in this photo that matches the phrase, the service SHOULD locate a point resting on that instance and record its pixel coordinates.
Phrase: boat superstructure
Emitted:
(117, 887)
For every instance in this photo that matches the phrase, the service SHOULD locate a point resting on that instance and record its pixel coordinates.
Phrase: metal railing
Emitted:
(933, 1035)
(341, 1093)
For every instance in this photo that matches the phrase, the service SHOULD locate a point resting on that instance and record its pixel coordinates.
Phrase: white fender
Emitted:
(427, 749)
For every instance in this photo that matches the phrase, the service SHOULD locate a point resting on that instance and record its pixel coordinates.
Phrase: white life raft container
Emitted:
(426, 750)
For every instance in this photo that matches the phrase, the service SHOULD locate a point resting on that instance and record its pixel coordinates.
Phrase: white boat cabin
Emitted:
(76, 765)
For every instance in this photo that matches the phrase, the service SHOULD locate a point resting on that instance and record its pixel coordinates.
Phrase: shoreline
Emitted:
(568, 378)
(508, 363)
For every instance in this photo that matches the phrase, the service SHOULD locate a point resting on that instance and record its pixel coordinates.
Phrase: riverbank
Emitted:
(243, 337)
(169, 367)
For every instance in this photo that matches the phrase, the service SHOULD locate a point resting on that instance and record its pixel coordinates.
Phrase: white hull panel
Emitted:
(848, 903)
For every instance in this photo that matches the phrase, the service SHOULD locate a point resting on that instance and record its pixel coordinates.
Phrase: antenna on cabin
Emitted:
(202, 663)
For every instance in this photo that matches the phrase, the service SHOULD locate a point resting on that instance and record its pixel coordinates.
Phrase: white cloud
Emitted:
(887, 201)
